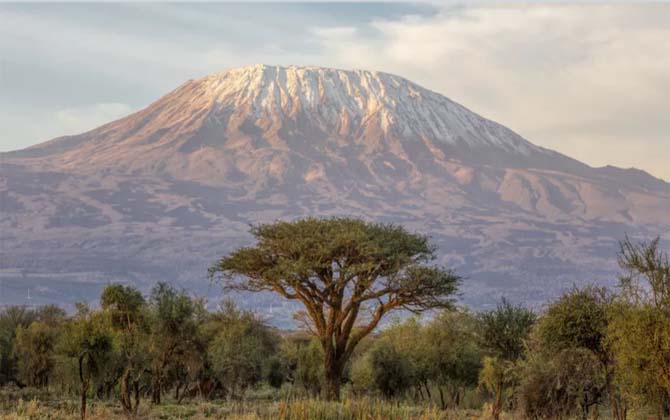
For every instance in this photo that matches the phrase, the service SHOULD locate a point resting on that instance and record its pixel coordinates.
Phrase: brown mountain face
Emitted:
(159, 194)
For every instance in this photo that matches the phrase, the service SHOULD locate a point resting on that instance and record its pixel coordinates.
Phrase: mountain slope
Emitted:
(162, 192)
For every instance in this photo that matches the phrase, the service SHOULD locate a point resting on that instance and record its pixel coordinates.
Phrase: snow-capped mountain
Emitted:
(162, 192)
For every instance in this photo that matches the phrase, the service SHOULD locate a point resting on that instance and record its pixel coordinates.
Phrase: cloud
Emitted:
(588, 80)
(80, 119)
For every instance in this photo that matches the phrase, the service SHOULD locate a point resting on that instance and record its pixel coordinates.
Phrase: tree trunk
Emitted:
(443, 404)
(595, 413)
(129, 389)
(124, 392)
(85, 383)
(136, 386)
(84, 391)
(425, 384)
(156, 390)
(184, 393)
(333, 381)
(496, 407)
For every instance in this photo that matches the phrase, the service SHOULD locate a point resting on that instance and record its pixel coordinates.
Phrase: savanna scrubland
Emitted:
(591, 353)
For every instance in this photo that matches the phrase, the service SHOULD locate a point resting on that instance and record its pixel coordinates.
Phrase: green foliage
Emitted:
(88, 335)
(274, 372)
(495, 374)
(241, 348)
(289, 255)
(571, 366)
(640, 339)
(172, 313)
(127, 310)
(173, 334)
(51, 315)
(33, 348)
(505, 329)
(11, 319)
(639, 328)
(391, 370)
(454, 355)
(646, 275)
(86, 342)
(566, 385)
(309, 366)
(362, 376)
(577, 320)
(503, 333)
(442, 355)
(125, 305)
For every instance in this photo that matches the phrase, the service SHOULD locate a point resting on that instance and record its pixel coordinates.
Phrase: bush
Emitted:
(391, 371)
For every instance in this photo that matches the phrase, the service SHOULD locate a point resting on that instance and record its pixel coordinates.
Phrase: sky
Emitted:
(590, 81)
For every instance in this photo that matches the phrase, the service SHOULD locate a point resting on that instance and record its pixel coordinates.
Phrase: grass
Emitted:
(39, 405)
(295, 410)
(27, 405)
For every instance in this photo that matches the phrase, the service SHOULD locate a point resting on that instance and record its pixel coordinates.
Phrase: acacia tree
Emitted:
(340, 269)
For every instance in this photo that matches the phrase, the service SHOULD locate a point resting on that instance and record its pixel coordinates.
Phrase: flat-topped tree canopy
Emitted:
(338, 268)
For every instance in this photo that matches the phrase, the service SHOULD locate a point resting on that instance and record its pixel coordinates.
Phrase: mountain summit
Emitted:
(161, 193)
(309, 114)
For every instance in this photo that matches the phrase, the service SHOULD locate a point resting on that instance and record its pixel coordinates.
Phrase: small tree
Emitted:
(34, 350)
(309, 366)
(639, 328)
(50, 315)
(87, 338)
(577, 322)
(127, 309)
(646, 277)
(12, 319)
(454, 357)
(241, 348)
(173, 330)
(410, 340)
(338, 269)
(560, 386)
(302, 360)
(391, 370)
(496, 376)
(504, 331)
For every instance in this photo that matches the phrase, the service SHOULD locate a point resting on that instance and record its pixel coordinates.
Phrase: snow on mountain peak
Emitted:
(344, 99)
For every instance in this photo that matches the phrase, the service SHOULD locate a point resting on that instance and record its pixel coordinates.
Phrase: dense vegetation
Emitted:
(591, 352)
